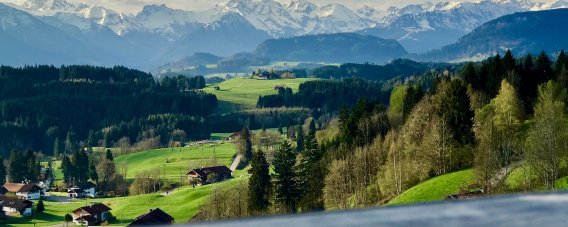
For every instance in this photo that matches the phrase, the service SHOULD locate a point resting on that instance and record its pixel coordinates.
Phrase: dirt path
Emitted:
(235, 163)
(503, 173)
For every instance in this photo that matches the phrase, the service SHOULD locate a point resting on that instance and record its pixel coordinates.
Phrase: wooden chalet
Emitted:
(92, 215)
(202, 174)
(23, 191)
(153, 218)
(13, 206)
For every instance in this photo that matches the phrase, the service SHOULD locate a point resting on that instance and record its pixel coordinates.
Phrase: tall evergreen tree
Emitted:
(543, 68)
(56, 147)
(286, 187)
(300, 140)
(413, 96)
(561, 69)
(259, 184)
(68, 170)
(69, 143)
(310, 173)
(40, 207)
(470, 76)
(529, 86)
(108, 155)
(246, 144)
(312, 128)
(454, 107)
(93, 175)
(2, 171)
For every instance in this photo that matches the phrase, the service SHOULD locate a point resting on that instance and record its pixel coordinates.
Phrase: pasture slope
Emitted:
(242, 93)
(436, 188)
(182, 203)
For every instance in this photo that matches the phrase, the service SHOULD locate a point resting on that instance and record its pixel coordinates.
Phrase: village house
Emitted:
(92, 215)
(14, 206)
(209, 175)
(23, 191)
(87, 189)
(153, 218)
(76, 193)
(235, 136)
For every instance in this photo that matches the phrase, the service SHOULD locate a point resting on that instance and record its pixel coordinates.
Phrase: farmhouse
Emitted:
(13, 206)
(153, 218)
(235, 136)
(95, 214)
(23, 191)
(210, 174)
(82, 190)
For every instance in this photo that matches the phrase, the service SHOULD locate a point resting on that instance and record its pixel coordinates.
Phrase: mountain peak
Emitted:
(48, 6)
(153, 8)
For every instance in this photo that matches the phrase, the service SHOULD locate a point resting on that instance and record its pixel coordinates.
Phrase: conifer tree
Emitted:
(67, 169)
(300, 140)
(259, 184)
(56, 147)
(286, 187)
(93, 175)
(40, 207)
(309, 177)
(2, 171)
(109, 156)
(246, 144)
(17, 168)
(312, 128)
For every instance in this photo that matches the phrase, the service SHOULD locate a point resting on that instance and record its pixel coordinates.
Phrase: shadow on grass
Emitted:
(39, 219)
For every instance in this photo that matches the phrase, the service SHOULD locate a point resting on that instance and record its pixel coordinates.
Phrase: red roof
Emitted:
(17, 187)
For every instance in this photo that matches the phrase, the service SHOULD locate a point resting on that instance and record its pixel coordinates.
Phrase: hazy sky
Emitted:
(134, 6)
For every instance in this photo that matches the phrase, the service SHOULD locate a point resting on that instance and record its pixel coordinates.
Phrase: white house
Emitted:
(83, 190)
(23, 191)
(14, 206)
(92, 215)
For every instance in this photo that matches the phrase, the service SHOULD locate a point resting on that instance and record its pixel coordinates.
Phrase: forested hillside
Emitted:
(500, 118)
(55, 110)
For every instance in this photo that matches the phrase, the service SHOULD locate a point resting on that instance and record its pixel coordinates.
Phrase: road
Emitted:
(236, 162)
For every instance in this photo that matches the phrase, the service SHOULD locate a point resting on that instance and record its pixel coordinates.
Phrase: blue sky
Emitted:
(133, 6)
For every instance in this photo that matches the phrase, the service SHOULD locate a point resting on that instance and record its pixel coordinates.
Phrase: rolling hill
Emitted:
(332, 48)
(242, 93)
(436, 188)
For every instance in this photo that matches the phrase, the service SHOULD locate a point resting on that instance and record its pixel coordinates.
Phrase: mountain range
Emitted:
(522, 33)
(60, 32)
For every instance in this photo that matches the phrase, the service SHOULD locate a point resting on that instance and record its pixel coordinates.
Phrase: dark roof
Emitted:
(221, 170)
(13, 202)
(154, 217)
(95, 208)
(87, 185)
(17, 187)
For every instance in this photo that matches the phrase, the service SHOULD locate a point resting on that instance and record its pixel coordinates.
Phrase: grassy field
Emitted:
(242, 93)
(436, 188)
(183, 203)
(176, 160)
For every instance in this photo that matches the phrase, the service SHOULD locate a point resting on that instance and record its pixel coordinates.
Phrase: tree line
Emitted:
(41, 105)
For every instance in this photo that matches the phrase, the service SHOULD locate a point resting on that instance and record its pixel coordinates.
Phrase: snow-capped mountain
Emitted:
(159, 34)
(296, 17)
(428, 26)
